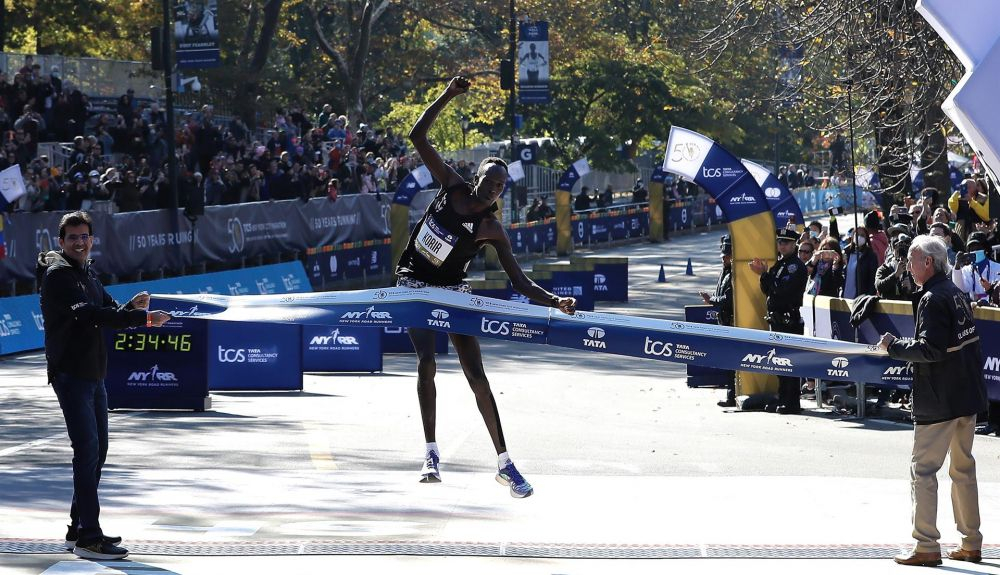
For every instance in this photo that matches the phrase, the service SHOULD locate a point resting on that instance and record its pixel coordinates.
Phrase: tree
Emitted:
(881, 54)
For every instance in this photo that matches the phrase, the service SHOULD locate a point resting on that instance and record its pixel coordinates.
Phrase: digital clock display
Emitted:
(152, 342)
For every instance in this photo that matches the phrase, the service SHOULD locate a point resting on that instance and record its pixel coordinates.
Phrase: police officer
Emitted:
(722, 300)
(784, 285)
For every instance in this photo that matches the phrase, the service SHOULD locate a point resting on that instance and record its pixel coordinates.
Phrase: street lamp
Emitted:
(464, 122)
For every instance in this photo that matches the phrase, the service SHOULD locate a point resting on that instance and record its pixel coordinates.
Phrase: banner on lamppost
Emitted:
(196, 33)
(533, 63)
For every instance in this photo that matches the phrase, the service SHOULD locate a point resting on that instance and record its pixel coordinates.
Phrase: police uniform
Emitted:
(723, 297)
(722, 300)
(784, 285)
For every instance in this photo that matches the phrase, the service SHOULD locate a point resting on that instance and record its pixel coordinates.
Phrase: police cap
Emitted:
(787, 234)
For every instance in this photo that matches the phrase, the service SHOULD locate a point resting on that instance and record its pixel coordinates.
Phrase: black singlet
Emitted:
(442, 243)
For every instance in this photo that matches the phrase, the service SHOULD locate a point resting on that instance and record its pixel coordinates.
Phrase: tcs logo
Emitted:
(228, 355)
(495, 327)
(711, 172)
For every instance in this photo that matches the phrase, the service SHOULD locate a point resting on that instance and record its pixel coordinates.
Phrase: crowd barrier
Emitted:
(330, 267)
(828, 317)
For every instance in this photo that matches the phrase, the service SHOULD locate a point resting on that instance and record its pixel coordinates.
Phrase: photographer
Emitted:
(975, 266)
(970, 204)
(893, 279)
(826, 274)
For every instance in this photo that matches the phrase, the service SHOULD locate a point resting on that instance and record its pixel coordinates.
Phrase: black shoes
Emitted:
(72, 534)
(99, 549)
(726, 403)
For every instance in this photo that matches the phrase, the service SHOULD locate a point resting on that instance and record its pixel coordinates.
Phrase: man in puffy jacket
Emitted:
(75, 307)
(948, 392)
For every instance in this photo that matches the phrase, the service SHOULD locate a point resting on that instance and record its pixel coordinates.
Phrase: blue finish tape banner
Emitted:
(675, 341)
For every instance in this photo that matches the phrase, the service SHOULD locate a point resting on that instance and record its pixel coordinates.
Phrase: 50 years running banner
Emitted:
(151, 240)
(675, 341)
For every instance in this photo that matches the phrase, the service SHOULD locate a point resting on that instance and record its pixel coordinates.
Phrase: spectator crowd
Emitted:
(120, 158)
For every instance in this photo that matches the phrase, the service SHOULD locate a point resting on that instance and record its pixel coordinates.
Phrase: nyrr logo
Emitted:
(742, 200)
(334, 337)
(840, 367)
(992, 364)
(439, 319)
(595, 335)
(898, 371)
(227, 355)
(769, 359)
(600, 282)
(660, 348)
(193, 312)
(369, 313)
(495, 327)
(154, 374)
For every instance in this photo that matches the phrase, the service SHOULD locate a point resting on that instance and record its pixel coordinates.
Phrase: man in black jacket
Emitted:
(75, 307)
(948, 392)
(722, 301)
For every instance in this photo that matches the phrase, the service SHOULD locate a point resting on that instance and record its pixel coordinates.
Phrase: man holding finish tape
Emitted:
(75, 307)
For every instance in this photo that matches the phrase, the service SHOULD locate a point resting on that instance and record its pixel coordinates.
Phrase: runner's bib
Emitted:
(434, 242)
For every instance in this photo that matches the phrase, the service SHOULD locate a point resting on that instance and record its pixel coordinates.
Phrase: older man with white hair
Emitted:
(948, 393)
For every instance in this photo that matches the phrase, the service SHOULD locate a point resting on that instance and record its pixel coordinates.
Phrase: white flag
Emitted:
(11, 184)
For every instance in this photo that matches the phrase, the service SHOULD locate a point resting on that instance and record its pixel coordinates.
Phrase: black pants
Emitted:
(789, 388)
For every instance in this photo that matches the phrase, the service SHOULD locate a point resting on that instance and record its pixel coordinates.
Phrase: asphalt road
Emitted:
(633, 471)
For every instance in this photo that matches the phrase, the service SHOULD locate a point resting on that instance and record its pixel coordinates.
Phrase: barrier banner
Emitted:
(779, 198)
(341, 348)
(254, 356)
(681, 217)
(989, 331)
(698, 376)
(600, 229)
(611, 282)
(153, 240)
(21, 325)
(696, 344)
(534, 237)
(159, 368)
(581, 231)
